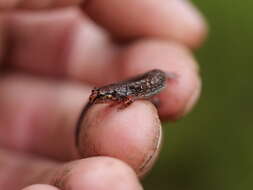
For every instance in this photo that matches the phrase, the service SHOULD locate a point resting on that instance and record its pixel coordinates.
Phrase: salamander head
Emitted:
(100, 95)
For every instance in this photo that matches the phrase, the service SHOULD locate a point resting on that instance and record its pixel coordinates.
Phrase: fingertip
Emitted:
(183, 91)
(99, 173)
(180, 97)
(193, 28)
(193, 98)
(132, 134)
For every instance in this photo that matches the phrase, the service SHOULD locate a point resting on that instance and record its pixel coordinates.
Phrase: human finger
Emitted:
(182, 92)
(123, 134)
(85, 174)
(61, 43)
(41, 117)
(30, 4)
(174, 19)
(19, 171)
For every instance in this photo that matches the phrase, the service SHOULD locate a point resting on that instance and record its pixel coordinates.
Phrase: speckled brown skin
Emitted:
(143, 86)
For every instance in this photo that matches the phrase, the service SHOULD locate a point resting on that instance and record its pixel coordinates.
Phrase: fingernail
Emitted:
(195, 25)
(80, 122)
(193, 98)
(152, 155)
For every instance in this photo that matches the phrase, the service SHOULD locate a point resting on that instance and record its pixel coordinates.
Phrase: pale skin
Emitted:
(52, 59)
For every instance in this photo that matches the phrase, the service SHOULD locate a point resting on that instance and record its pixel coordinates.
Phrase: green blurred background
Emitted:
(212, 147)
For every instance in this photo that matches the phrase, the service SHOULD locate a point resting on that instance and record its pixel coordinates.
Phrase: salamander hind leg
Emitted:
(114, 103)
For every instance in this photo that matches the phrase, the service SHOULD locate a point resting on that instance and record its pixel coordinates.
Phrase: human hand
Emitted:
(53, 58)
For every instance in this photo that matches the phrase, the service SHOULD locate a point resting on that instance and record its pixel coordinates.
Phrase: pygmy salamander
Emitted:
(140, 87)
(143, 86)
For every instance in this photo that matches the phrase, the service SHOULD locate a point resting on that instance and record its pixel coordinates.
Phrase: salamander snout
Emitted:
(99, 95)
(94, 94)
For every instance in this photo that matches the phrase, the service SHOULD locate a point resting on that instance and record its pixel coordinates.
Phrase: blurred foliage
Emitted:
(211, 148)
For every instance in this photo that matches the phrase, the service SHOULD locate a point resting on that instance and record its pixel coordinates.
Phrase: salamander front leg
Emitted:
(126, 102)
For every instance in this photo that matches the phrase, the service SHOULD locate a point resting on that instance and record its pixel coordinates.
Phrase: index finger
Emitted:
(31, 4)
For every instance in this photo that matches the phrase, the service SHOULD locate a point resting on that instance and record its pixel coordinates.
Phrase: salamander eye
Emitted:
(109, 96)
(95, 90)
(132, 87)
